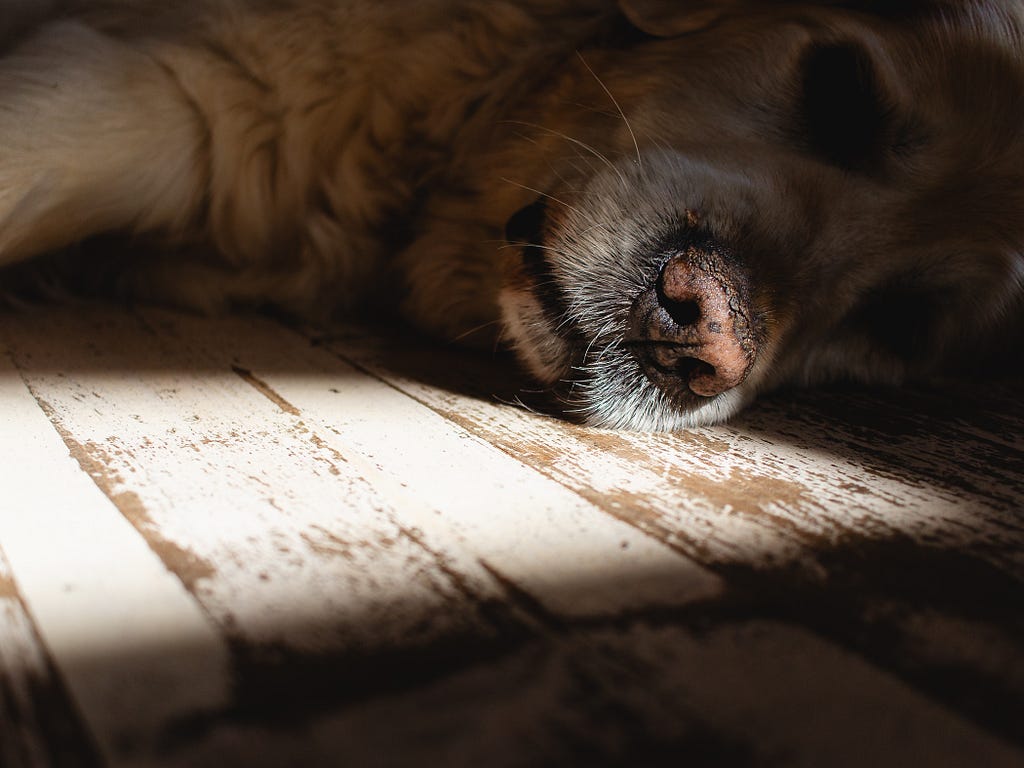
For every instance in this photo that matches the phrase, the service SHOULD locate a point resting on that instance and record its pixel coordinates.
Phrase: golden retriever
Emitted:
(665, 207)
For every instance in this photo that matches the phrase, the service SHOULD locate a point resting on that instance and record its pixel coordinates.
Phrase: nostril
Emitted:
(680, 362)
(683, 313)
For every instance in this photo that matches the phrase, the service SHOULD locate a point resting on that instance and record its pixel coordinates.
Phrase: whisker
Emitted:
(530, 245)
(542, 194)
(471, 331)
(592, 108)
(592, 227)
(600, 332)
(625, 120)
(550, 164)
(577, 142)
(516, 402)
(609, 347)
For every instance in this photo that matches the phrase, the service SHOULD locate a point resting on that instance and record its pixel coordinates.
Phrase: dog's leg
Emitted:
(94, 136)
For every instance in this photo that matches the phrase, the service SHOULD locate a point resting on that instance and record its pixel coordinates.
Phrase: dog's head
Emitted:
(759, 193)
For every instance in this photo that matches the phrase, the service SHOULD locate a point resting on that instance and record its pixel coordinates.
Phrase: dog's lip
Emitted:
(662, 368)
(637, 341)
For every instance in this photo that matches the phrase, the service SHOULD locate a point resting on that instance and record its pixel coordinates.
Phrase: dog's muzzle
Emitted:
(691, 331)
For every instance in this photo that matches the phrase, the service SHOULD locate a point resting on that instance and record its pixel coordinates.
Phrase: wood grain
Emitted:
(243, 543)
(890, 522)
(120, 626)
(777, 484)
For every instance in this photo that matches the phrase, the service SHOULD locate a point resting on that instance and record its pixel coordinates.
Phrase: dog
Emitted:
(663, 207)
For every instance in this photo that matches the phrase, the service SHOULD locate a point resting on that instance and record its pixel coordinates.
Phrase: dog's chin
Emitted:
(602, 385)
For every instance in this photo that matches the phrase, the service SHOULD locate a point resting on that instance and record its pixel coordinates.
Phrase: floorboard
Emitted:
(233, 541)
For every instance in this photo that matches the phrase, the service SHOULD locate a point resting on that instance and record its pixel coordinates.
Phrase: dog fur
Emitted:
(861, 163)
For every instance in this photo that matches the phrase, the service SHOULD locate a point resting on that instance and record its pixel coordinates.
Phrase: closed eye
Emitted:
(844, 115)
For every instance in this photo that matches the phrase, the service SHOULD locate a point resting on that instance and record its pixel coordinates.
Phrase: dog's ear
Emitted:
(668, 18)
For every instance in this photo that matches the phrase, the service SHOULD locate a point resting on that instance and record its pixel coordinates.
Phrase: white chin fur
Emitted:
(655, 415)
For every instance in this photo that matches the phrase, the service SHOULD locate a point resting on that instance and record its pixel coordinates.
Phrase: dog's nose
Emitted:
(691, 331)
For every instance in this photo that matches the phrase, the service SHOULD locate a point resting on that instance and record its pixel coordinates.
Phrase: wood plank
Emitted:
(278, 536)
(747, 694)
(295, 559)
(905, 557)
(117, 623)
(39, 725)
(535, 535)
(775, 486)
(321, 557)
(408, 572)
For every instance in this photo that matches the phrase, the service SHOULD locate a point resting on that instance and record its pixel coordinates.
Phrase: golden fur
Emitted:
(339, 155)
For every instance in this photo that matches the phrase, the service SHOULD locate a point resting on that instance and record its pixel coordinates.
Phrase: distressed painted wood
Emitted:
(38, 722)
(776, 484)
(509, 520)
(891, 523)
(120, 626)
(291, 547)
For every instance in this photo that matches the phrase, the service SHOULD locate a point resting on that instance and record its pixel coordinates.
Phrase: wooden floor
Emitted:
(235, 543)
